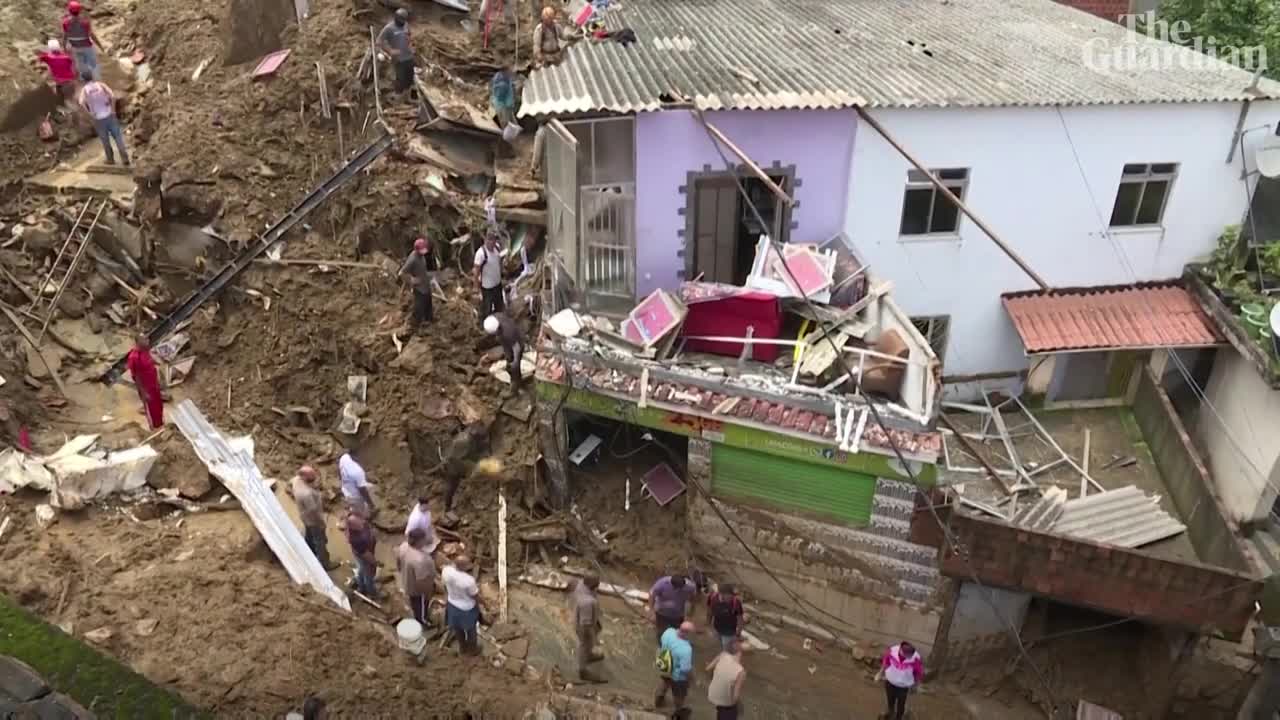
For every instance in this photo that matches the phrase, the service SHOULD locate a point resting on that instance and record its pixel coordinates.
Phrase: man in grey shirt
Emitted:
(394, 42)
(417, 267)
(584, 608)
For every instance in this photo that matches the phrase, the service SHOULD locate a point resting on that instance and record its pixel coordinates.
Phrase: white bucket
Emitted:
(409, 635)
(511, 131)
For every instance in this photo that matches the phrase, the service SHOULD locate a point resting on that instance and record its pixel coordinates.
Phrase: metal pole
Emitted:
(952, 197)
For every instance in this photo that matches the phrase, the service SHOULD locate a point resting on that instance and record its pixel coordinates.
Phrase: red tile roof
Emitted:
(761, 412)
(1123, 316)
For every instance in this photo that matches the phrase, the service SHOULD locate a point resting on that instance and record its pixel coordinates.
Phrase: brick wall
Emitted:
(1115, 580)
(1107, 9)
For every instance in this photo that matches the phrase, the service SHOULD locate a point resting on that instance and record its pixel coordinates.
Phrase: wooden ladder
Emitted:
(64, 265)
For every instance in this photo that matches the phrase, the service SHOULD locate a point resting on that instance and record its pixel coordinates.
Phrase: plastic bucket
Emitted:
(511, 131)
(409, 635)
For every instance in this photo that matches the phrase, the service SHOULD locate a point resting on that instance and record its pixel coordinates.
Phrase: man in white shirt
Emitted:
(98, 100)
(420, 519)
(488, 274)
(355, 484)
(462, 611)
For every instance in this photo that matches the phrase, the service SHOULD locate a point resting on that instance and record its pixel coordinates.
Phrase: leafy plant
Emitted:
(1269, 258)
(1226, 263)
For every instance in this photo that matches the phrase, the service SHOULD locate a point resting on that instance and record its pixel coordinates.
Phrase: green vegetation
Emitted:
(1238, 274)
(1237, 24)
(92, 679)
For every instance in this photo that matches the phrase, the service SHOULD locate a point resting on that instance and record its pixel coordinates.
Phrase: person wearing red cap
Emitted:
(78, 37)
(311, 513)
(417, 268)
(62, 69)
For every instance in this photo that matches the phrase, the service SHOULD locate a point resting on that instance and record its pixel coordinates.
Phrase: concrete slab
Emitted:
(85, 172)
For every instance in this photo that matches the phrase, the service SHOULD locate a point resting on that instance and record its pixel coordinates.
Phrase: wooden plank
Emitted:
(1049, 438)
(968, 446)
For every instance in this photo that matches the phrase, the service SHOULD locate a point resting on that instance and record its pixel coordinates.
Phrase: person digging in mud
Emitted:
(311, 512)
(78, 37)
(462, 611)
(488, 275)
(512, 345)
(100, 103)
(146, 379)
(585, 608)
(417, 268)
(363, 542)
(355, 484)
(393, 41)
(417, 572)
(463, 446)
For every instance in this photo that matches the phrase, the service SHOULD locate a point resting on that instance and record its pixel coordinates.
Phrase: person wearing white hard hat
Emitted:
(512, 344)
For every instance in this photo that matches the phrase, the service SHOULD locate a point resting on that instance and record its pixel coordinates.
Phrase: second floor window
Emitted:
(925, 210)
(1143, 194)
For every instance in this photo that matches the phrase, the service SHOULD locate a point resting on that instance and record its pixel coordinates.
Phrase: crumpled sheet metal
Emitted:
(235, 467)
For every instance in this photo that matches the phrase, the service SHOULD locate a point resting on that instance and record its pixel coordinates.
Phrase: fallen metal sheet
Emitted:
(237, 471)
(1088, 711)
(459, 5)
(79, 478)
(19, 470)
(1125, 517)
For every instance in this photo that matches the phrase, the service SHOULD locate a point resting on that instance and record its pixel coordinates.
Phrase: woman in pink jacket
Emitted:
(902, 671)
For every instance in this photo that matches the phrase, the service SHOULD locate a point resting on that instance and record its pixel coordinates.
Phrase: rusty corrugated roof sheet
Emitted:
(1149, 315)
(775, 54)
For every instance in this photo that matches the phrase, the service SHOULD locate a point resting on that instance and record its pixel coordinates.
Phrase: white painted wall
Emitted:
(1248, 410)
(1025, 183)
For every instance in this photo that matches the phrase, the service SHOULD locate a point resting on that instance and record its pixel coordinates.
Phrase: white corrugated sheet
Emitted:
(238, 472)
(775, 54)
(1126, 517)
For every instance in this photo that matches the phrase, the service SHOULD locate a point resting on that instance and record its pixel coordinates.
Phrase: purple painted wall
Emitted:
(672, 143)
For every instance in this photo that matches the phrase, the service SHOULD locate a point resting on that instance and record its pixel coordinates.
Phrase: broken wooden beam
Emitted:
(746, 160)
(968, 446)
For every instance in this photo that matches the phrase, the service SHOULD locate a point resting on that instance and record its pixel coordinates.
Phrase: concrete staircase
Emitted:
(886, 545)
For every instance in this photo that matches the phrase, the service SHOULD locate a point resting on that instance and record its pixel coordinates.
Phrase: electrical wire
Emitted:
(948, 535)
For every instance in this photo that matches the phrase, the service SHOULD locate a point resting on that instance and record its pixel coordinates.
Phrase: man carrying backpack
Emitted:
(488, 275)
(724, 613)
(675, 666)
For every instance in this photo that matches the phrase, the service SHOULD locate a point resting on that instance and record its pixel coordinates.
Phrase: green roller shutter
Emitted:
(792, 485)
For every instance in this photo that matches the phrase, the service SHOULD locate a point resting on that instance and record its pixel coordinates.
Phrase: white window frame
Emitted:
(916, 180)
(1148, 175)
(936, 330)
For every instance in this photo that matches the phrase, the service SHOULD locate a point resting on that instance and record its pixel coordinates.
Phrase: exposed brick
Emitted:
(1116, 580)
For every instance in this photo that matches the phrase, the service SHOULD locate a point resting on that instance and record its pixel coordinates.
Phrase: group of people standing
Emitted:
(72, 61)
(415, 560)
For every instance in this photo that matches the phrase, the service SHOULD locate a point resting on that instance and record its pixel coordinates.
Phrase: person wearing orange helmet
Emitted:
(417, 268)
(80, 39)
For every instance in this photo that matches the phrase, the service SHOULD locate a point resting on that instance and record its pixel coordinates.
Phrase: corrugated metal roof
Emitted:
(1126, 517)
(240, 474)
(774, 54)
(1114, 317)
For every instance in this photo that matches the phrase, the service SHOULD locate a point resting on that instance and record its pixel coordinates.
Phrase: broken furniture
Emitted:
(662, 484)
(880, 374)
(717, 310)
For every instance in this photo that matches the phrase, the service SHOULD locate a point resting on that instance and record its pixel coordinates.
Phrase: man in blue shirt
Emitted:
(676, 642)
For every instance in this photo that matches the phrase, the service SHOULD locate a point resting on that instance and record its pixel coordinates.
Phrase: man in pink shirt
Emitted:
(62, 69)
(98, 100)
(902, 671)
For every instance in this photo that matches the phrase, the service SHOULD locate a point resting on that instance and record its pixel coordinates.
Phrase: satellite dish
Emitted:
(1268, 157)
(1275, 320)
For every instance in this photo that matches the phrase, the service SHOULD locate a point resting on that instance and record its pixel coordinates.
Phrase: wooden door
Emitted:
(715, 229)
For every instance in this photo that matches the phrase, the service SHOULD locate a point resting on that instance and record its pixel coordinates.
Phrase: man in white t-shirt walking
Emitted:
(98, 100)
(462, 611)
(488, 274)
(355, 484)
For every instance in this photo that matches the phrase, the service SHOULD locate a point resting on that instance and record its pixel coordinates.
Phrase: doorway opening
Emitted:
(724, 227)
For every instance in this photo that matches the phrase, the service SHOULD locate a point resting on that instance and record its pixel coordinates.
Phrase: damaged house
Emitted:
(1098, 174)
